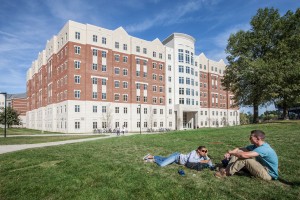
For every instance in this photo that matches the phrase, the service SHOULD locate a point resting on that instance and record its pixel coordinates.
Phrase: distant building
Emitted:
(89, 77)
(18, 102)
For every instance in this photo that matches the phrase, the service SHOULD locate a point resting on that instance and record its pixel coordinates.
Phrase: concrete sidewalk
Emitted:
(18, 147)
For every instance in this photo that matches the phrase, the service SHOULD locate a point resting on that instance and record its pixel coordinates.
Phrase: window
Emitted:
(181, 69)
(144, 62)
(77, 125)
(116, 45)
(160, 77)
(138, 110)
(169, 56)
(77, 35)
(125, 72)
(161, 124)
(103, 96)
(103, 54)
(95, 38)
(103, 109)
(154, 88)
(77, 94)
(94, 80)
(125, 97)
(145, 111)
(145, 125)
(154, 99)
(103, 68)
(187, 56)
(169, 78)
(137, 49)
(181, 80)
(180, 55)
(170, 111)
(103, 81)
(117, 97)
(155, 111)
(95, 66)
(117, 70)
(117, 57)
(138, 98)
(138, 73)
(138, 124)
(161, 100)
(94, 95)
(187, 69)
(154, 54)
(95, 125)
(95, 52)
(103, 40)
(154, 65)
(161, 111)
(154, 76)
(77, 108)
(124, 47)
(77, 64)
(138, 86)
(144, 50)
(181, 90)
(160, 55)
(181, 100)
(125, 110)
(117, 109)
(77, 79)
(188, 81)
(160, 66)
(125, 84)
(169, 67)
(94, 109)
(77, 50)
(117, 84)
(160, 89)
(145, 99)
(125, 59)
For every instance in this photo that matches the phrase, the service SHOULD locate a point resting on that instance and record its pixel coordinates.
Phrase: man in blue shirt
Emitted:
(259, 159)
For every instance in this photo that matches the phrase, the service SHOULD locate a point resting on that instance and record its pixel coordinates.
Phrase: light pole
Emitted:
(140, 105)
(236, 118)
(5, 95)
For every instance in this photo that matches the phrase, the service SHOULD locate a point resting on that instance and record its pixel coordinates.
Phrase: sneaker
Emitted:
(181, 172)
(221, 173)
(146, 156)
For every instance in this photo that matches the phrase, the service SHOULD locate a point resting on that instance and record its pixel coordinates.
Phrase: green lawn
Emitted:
(24, 131)
(39, 139)
(113, 168)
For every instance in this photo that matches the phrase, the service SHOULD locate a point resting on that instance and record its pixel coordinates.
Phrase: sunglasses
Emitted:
(204, 151)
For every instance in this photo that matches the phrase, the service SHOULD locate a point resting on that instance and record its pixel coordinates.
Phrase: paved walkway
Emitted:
(18, 147)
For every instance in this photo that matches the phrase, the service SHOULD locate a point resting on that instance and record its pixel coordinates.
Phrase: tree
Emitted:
(12, 116)
(261, 66)
(285, 63)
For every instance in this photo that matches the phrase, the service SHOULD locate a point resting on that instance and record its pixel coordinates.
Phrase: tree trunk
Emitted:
(255, 114)
(285, 113)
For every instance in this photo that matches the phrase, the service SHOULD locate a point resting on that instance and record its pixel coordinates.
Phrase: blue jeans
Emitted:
(163, 161)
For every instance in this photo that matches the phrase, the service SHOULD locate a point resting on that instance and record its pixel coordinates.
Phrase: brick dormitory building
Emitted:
(89, 77)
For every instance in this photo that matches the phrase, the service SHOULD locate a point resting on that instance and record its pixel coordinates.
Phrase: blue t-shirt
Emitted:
(267, 157)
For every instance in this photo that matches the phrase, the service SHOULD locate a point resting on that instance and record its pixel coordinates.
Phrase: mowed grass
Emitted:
(41, 139)
(113, 168)
(24, 131)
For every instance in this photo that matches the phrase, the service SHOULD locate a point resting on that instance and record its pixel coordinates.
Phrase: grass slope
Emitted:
(113, 169)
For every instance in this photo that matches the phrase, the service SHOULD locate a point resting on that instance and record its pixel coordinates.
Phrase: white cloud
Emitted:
(169, 16)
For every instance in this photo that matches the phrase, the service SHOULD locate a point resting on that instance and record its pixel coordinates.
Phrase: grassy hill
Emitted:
(113, 168)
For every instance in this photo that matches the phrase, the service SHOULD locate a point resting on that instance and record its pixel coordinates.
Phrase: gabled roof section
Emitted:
(157, 41)
(121, 30)
(202, 55)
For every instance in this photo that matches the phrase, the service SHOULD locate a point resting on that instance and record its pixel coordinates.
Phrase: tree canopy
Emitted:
(12, 116)
(263, 62)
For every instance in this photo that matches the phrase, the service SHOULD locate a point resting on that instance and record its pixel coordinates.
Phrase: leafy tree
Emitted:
(244, 119)
(12, 116)
(285, 62)
(264, 61)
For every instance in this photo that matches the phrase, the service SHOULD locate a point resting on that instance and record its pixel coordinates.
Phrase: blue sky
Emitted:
(26, 25)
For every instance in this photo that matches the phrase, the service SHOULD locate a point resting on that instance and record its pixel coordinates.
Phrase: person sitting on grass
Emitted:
(196, 159)
(259, 159)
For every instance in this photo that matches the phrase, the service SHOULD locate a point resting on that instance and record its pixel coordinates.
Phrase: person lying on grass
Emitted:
(259, 159)
(196, 159)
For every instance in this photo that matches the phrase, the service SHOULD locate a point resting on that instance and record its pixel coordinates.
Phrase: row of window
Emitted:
(188, 101)
(125, 125)
(188, 70)
(117, 45)
(188, 81)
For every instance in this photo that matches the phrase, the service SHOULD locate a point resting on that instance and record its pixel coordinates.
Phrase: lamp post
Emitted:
(140, 105)
(5, 95)
(236, 118)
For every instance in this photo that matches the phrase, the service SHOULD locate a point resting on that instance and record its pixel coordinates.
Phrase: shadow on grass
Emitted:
(286, 182)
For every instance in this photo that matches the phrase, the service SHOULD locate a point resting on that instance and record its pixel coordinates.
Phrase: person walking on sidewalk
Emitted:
(258, 158)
